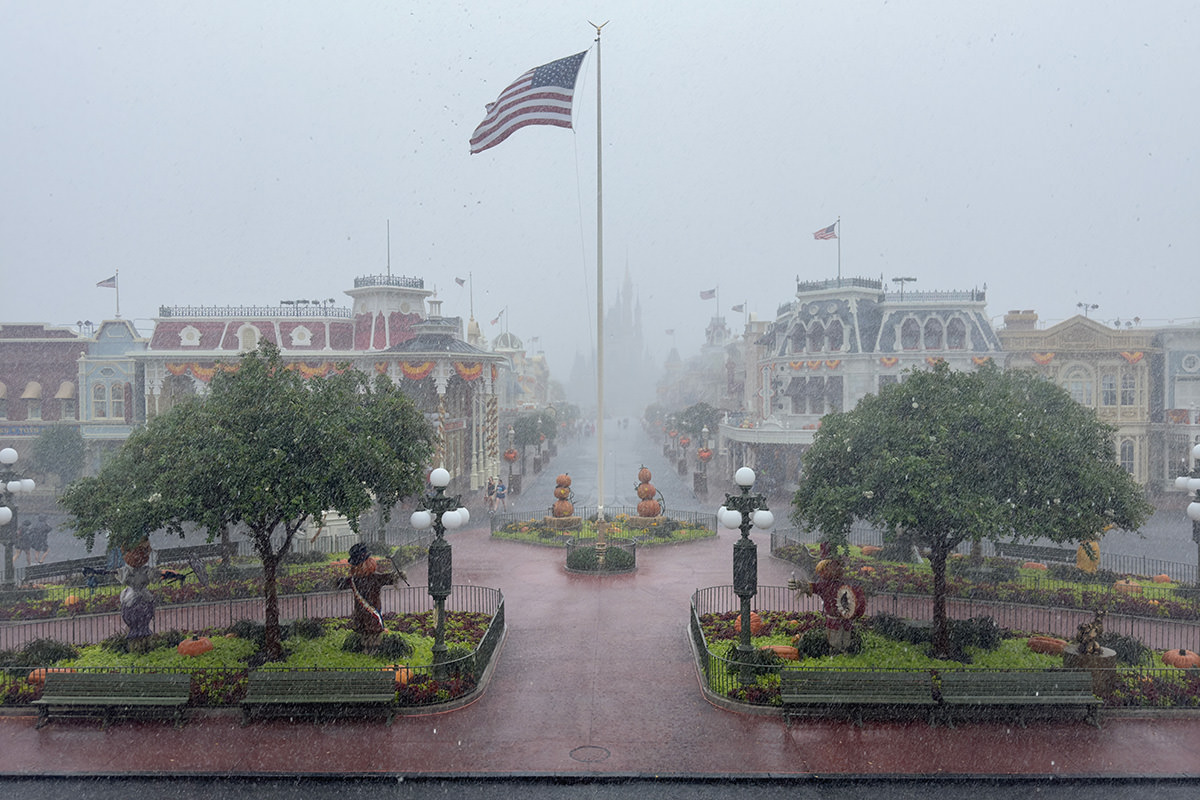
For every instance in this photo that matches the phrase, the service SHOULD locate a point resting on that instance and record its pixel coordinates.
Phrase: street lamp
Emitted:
(742, 512)
(1192, 484)
(10, 485)
(441, 512)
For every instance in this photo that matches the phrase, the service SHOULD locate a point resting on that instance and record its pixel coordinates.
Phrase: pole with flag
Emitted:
(112, 283)
(832, 233)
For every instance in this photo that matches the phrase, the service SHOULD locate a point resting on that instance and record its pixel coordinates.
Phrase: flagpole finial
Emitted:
(598, 27)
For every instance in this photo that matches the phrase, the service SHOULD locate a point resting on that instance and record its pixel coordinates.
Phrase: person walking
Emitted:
(39, 539)
(491, 495)
(501, 494)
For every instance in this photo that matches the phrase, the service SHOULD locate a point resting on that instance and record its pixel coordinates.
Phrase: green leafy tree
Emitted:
(949, 457)
(695, 418)
(60, 450)
(267, 450)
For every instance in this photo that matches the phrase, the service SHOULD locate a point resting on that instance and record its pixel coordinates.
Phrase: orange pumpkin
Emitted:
(783, 651)
(648, 508)
(1048, 645)
(644, 475)
(38, 676)
(367, 567)
(138, 556)
(1128, 586)
(563, 508)
(1034, 565)
(403, 674)
(563, 480)
(646, 491)
(562, 492)
(829, 568)
(866, 570)
(756, 623)
(73, 603)
(194, 646)
(1184, 659)
(871, 550)
(1163, 578)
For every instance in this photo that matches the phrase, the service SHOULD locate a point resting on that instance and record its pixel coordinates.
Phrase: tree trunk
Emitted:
(226, 546)
(941, 624)
(272, 643)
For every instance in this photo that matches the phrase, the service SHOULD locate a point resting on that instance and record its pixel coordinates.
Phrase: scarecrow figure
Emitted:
(842, 602)
(137, 604)
(366, 585)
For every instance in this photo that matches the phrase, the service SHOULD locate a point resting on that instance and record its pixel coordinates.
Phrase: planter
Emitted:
(1102, 665)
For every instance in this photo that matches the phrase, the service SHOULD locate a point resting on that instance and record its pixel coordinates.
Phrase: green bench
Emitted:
(1033, 552)
(319, 693)
(1017, 694)
(856, 692)
(111, 694)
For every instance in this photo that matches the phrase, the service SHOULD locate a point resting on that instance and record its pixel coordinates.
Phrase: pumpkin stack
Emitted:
(647, 505)
(563, 507)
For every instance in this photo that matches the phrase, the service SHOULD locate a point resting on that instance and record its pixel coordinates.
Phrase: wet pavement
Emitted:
(596, 678)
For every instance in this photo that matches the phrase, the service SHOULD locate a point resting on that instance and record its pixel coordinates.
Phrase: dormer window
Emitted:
(189, 336)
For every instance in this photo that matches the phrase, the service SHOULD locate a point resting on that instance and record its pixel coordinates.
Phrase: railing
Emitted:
(255, 311)
(389, 280)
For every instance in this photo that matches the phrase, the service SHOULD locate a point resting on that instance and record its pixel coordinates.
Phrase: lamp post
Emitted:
(742, 512)
(442, 512)
(11, 485)
(1192, 484)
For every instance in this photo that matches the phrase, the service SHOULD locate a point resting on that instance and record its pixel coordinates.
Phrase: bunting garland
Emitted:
(1043, 358)
(468, 372)
(889, 361)
(416, 372)
(1133, 358)
(202, 373)
(979, 361)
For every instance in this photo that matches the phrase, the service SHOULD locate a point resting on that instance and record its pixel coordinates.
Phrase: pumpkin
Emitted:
(194, 646)
(783, 651)
(704, 454)
(644, 475)
(1128, 586)
(871, 550)
(73, 603)
(1163, 578)
(367, 567)
(1048, 645)
(756, 623)
(403, 674)
(646, 491)
(685, 441)
(829, 568)
(648, 508)
(38, 676)
(563, 480)
(510, 455)
(563, 508)
(138, 556)
(866, 570)
(1033, 565)
(1184, 659)
(562, 492)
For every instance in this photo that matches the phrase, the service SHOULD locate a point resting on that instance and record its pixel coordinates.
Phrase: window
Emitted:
(117, 401)
(799, 336)
(99, 401)
(3, 408)
(833, 394)
(910, 335)
(1078, 384)
(1127, 455)
(33, 409)
(956, 334)
(816, 338)
(69, 408)
(247, 338)
(1128, 390)
(816, 395)
(1108, 390)
(933, 334)
(835, 336)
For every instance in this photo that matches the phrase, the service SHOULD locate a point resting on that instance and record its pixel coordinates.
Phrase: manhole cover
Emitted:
(590, 753)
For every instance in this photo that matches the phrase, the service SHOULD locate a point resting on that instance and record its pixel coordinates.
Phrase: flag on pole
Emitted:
(461, 281)
(670, 331)
(108, 283)
(708, 294)
(826, 233)
(739, 307)
(498, 316)
(542, 96)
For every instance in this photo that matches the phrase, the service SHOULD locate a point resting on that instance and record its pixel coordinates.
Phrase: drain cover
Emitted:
(590, 753)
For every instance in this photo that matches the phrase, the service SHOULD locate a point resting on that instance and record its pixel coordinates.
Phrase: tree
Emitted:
(265, 449)
(948, 457)
(60, 450)
(696, 417)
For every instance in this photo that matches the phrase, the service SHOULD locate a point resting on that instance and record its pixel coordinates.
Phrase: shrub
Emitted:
(981, 632)
(394, 645)
(353, 642)
(813, 643)
(43, 652)
(763, 662)
(254, 631)
(584, 559)
(307, 628)
(1128, 649)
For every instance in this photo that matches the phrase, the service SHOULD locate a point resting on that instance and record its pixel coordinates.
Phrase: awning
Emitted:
(66, 391)
(33, 391)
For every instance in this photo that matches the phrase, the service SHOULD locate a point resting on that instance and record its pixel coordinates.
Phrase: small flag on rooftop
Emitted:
(739, 307)
(708, 294)
(461, 281)
(108, 283)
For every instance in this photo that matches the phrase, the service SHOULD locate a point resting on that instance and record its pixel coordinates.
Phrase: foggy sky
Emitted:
(248, 152)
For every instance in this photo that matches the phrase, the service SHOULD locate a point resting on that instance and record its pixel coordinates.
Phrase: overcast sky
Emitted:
(247, 152)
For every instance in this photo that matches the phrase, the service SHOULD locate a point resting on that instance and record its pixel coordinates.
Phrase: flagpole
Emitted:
(117, 286)
(599, 289)
(839, 238)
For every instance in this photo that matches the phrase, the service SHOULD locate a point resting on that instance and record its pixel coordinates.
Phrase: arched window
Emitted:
(117, 401)
(799, 337)
(247, 338)
(1127, 455)
(910, 335)
(956, 334)
(933, 334)
(99, 401)
(1079, 384)
(1108, 390)
(1128, 390)
(835, 336)
(816, 338)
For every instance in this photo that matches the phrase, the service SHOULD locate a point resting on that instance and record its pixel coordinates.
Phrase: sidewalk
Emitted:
(596, 678)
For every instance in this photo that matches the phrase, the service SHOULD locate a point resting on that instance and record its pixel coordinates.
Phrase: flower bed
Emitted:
(668, 531)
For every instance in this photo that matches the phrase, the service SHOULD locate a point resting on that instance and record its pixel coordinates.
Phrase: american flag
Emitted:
(542, 96)
(108, 283)
(708, 294)
(826, 233)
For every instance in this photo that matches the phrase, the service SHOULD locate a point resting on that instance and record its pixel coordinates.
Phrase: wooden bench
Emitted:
(856, 692)
(1033, 552)
(111, 694)
(1016, 694)
(35, 573)
(319, 692)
